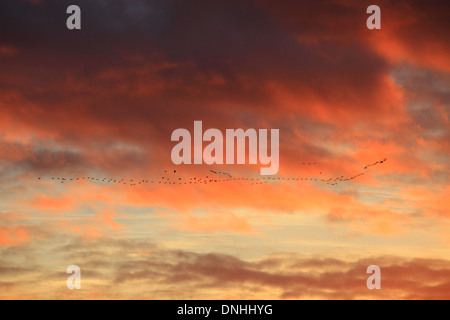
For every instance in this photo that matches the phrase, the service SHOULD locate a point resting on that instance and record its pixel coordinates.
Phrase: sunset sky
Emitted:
(103, 101)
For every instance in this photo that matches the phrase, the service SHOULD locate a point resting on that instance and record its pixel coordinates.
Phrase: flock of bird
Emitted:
(171, 178)
(221, 173)
(376, 163)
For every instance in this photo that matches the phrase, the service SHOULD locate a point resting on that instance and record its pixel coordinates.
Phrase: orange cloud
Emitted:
(14, 235)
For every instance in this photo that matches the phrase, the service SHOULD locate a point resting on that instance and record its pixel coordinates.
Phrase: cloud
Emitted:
(104, 101)
(116, 269)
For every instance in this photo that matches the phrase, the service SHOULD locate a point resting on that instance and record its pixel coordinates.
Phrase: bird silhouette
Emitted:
(175, 178)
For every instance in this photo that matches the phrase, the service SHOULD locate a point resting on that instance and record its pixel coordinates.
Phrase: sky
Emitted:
(86, 176)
